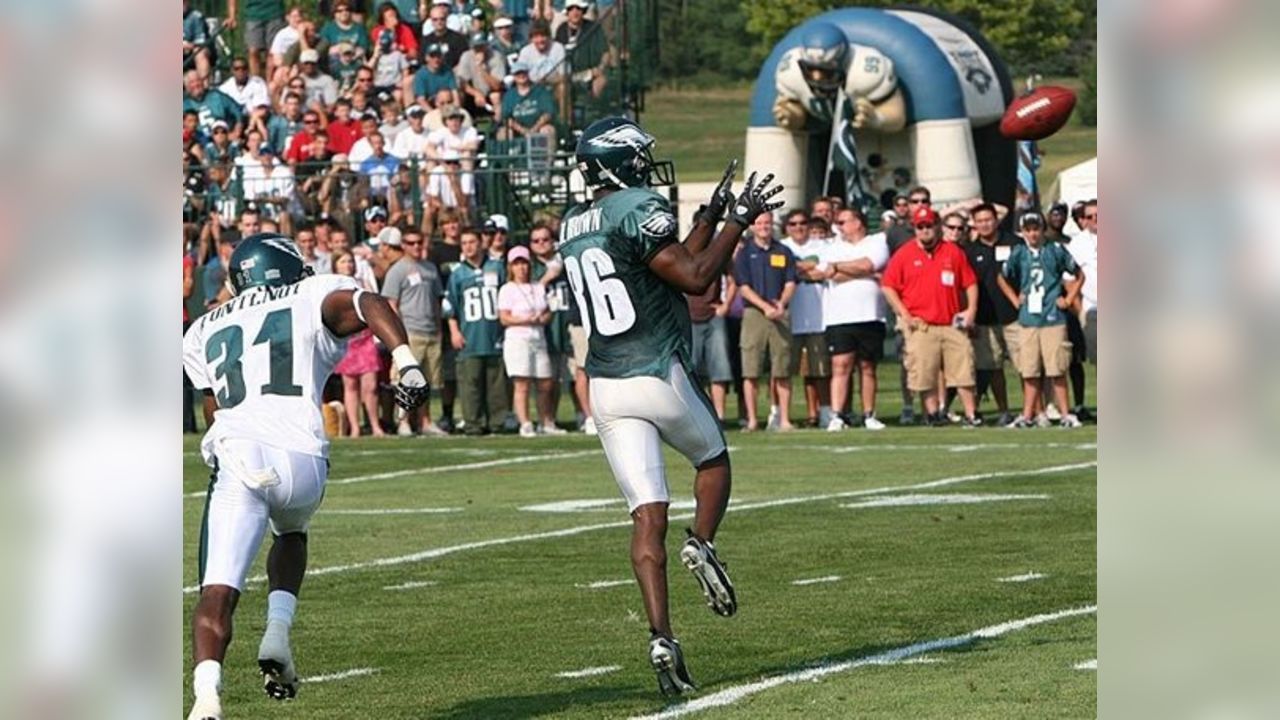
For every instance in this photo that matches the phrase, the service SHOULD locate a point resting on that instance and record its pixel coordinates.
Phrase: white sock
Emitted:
(773, 409)
(281, 605)
(206, 680)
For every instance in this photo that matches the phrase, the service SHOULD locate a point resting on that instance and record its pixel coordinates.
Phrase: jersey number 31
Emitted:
(610, 309)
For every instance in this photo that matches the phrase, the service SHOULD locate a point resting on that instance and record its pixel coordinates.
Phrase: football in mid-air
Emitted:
(1038, 114)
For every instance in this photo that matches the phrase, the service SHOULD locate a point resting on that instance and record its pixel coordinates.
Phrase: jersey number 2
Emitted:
(610, 304)
(228, 344)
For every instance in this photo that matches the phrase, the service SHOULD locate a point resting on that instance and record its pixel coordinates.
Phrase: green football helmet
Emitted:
(615, 153)
(266, 259)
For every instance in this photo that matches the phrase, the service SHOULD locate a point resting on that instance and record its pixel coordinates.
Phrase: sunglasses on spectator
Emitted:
(410, 242)
(239, 67)
(918, 201)
(378, 220)
(540, 240)
(1093, 216)
(364, 79)
(310, 121)
(922, 226)
(794, 223)
(957, 228)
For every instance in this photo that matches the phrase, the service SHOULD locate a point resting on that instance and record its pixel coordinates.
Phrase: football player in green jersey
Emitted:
(628, 273)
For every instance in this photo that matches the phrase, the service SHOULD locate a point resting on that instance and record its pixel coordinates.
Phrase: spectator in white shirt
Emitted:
(480, 74)
(248, 90)
(411, 143)
(1084, 248)
(361, 149)
(319, 87)
(544, 56)
(853, 312)
(809, 345)
(288, 36)
(460, 142)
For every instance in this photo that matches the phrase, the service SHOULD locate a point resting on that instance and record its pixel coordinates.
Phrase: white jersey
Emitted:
(860, 300)
(1084, 248)
(266, 355)
(806, 304)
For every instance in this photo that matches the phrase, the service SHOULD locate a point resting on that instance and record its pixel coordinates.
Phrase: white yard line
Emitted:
(817, 580)
(731, 695)
(1026, 577)
(520, 460)
(955, 448)
(1086, 665)
(433, 553)
(394, 511)
(600, 584)
(953, 499)
(589, 672)
(354, 672)
(411, 585)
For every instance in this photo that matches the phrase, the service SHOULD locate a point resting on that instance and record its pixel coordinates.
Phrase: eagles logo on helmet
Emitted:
(616, 153)
(266, 259)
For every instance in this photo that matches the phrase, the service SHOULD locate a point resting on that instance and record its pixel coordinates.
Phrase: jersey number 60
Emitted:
(610, 311)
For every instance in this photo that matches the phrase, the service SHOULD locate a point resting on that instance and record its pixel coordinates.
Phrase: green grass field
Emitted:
(701, 129)
(474, 612)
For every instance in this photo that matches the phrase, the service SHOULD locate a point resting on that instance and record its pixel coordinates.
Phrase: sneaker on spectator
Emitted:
(1069, 421)
(1051, 411)
(447, 425)
(1043, 421)
(871, 423)
(1082, 413)
(460, 426)
(908, 416)
(434, 430)
(527, 430)
(774, 419)
(836, 424)
(1020, 423)
(1004, 419)
(552, 429)
(589, 426)
(951, 417)
(510, 424)
(969, 423)
(403, 429)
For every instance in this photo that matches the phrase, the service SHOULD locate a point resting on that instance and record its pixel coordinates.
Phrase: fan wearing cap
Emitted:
(435, 77)
(526, 108)
(503, 38)
(448, 187)
(480, 73)
(523, 311)
(934, 292)
(495, 234)
(586, 46)
(1042, 299)
(411, 143)
(436, 31)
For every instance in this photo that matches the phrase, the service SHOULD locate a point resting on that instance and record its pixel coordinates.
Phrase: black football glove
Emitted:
(754, 200)
(412, 388)
(720, 198)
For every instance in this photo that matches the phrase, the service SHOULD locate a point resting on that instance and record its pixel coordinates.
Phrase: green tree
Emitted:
(705, 37)
(1088, 104)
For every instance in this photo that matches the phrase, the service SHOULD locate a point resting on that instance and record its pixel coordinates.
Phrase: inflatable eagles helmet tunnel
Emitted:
(913, 97)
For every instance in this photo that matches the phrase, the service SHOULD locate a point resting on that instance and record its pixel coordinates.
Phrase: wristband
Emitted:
(403, 357)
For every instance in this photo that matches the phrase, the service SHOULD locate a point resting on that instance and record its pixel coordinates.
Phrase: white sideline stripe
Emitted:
(589, 672)
(433, 553)
(922, 661)
(731, 695)
(603, 584)
(954, 499)
(595, 504)
(815, 581)
(955, 448)
(448, 468)
(411, 585)
(353, 672)
(394, 511)
(1027, 577)
(1086, 665)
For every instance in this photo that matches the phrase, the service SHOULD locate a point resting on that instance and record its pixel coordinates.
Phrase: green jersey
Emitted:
(636, 322)
(1038, 272)
(472, 298)
(558, 303)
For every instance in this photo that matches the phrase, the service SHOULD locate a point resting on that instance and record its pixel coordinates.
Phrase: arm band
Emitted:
(403, 357)
(355, 302)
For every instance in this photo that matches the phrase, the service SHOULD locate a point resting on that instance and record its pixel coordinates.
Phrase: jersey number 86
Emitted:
(609, 311)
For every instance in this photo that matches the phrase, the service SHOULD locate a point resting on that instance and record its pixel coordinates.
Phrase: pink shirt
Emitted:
(524, 301)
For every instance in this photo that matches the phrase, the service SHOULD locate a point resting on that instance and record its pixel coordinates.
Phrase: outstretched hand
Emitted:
(412, 388)
(754, 200)
(721, 197)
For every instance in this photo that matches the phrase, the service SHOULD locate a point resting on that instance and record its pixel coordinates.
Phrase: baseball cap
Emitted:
(924, 215)
(308, 56)
(518, 252)
(450, 110)
(1031, 217)
(389, 236)
(584, 4)
(1059, 207)
(888, 215)
(518, 67)
(479, 39)
(503, 22)
(498, 222)
(415, 111)
(436, 49)
(219, 124)
(375, 211)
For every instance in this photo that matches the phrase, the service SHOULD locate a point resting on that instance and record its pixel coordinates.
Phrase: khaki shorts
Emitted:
(809, 354)
(993, 345)
(578, 358)
(428, 351)
(761, 338)
(1044, 351)
(935, 348)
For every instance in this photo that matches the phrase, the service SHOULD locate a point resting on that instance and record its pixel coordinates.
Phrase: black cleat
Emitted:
(668, 662)
(700, 557)
(279, 681)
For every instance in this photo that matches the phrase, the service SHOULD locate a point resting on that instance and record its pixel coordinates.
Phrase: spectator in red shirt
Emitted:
(300, 143)
(343, 130)
(401, 34)
(934, 292)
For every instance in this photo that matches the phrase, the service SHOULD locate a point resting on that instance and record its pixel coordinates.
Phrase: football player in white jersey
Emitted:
(262, 359)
